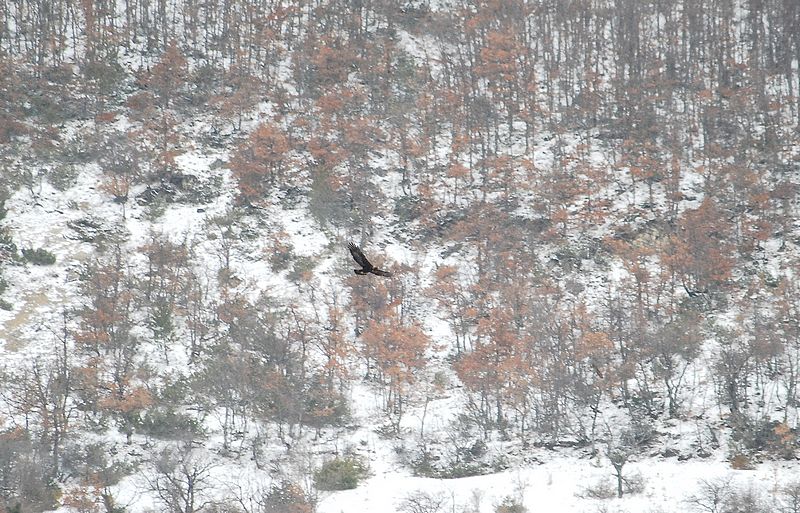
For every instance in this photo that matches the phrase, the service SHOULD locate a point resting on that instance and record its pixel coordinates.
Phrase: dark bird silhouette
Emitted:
(361, 260)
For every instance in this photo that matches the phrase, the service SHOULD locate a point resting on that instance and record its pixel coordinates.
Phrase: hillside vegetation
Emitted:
(589, 208)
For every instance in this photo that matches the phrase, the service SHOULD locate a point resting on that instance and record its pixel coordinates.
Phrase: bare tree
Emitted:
(624, 446)
(181, 480)
(42, 393)
(422, 502)
(790, 497)
(711, 495)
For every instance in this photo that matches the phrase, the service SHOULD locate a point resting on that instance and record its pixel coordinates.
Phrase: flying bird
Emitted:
(361, 260)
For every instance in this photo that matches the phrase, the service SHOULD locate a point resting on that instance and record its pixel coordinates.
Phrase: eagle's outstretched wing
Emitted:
(359, 257)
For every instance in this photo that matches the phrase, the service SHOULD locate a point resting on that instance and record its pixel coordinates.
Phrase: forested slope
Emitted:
(589, 207)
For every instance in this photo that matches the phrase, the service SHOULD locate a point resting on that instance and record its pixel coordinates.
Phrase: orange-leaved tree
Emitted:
(260, 161)
(699, 251)
(493, 368)
(399, 355)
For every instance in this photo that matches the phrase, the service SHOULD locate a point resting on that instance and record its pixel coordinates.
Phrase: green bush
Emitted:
(340, 474)
(39, 256)
(407, 208)
(510, 505)
(5, 305)
(63, 177)
(156, 209)
(287, 497)
(323, 407)
(302, 268)
(281, 256)
(429, 465)
(168, 424)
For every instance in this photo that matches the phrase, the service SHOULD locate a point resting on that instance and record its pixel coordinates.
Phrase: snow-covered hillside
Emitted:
(589, 210)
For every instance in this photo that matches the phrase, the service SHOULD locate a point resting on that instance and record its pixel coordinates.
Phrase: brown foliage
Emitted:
(399, 354)
(699, 250)
(258, 163)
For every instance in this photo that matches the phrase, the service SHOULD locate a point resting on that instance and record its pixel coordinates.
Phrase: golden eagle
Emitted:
(361, 260)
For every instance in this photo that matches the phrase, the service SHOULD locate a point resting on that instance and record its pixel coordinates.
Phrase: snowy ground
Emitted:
(557, 486)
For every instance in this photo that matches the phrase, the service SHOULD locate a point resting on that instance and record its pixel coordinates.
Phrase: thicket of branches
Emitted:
(544, 144)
